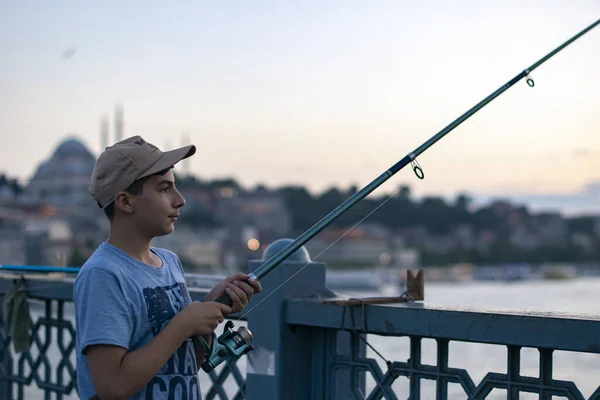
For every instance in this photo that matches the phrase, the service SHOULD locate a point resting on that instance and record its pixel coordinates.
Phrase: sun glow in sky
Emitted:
(316, 93)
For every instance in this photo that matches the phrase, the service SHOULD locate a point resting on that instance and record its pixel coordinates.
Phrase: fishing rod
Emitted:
(233, 344)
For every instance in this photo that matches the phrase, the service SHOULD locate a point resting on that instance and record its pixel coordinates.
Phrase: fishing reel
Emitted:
(229, 343)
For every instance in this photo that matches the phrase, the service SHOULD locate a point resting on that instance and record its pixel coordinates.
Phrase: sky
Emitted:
(315, 93)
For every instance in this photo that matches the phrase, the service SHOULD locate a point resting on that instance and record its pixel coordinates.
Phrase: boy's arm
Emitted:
(118, 374)
(105, 325)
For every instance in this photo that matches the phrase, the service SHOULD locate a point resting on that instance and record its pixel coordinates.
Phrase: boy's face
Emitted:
(157, 208)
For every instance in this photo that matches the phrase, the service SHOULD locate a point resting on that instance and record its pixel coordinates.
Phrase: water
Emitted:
(574, 296)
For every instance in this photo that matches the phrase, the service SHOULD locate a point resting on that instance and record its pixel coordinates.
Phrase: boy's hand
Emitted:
(239, 287)
(203, 317)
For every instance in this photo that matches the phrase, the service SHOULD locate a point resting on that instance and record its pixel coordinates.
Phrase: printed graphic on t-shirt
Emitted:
(177, 378)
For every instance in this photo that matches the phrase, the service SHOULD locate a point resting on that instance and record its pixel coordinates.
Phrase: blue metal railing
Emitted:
(47, 368)
(38, 268)
(545, 332)
(320, 350)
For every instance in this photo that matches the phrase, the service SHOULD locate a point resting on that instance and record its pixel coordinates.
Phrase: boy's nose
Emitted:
(179, 200)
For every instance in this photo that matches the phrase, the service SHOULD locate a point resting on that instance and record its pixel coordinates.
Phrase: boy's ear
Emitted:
(124, 202)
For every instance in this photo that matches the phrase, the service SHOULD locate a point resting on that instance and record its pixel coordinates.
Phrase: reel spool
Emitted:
(231, 343)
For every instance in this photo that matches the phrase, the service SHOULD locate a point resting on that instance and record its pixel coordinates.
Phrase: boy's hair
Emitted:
(136, 189)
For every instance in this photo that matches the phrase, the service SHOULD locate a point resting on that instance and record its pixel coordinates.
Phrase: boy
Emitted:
(136, 325)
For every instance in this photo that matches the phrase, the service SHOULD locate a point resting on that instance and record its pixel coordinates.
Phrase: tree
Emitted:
(463, 202)
(404, 192)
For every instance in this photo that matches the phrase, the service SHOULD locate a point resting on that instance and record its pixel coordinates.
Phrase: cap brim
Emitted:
(170, 158)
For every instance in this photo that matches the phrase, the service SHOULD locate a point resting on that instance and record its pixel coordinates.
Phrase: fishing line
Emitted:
(388, 363)
(419, 173)
(327, 248)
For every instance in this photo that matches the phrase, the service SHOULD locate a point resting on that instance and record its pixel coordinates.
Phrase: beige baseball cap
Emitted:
(127, 161)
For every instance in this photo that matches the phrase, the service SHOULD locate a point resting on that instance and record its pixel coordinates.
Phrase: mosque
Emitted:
(63, 180)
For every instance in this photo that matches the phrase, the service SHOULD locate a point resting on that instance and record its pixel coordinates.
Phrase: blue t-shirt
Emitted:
(122, 301)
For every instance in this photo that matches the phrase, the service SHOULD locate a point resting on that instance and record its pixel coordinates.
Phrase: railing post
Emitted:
(5, 362)
(281, 364)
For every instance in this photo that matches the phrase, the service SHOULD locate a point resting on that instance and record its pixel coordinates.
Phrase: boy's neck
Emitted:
(132, 243)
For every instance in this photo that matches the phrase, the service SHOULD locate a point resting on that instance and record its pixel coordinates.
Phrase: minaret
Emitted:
(118, 122)
(103, 133)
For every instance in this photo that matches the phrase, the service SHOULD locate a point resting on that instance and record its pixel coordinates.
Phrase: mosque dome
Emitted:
(72, 148)
(63, 179)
